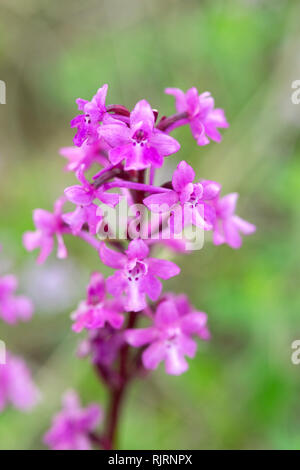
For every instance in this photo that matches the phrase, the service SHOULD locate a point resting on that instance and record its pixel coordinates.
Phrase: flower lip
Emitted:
(140, 137)
(136, 270)
(172, 334)
(196, 194)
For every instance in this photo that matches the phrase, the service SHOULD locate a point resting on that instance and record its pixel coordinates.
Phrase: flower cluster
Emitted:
(13, 308)
(16, 385)
(71, 428)
(122, 150)
(169, 338)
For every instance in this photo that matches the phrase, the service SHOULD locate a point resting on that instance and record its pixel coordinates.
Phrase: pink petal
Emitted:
(81, 103)
(211, 189)
(111, 258)
(212, 132)
(152, 156)
(75, 219)
(227, 205)
(192, 99)
(115, 135)
(231, 234)
(80, 175)
(61, 247)
(187, 346)
(93, 217)
(163, 143)
(198, 219)
(161, 203)
(140, 336)
(152, 286)
(78, 195)
(166, 314)
(180, 100)
(123, 152)
(24, 308)
(97, 103)
(22, 391)
(243, 226)
(93, 415)
(116, 284)
(115, 319)
(135, 296)
(198, 132)
(111, 199)
(32, 240)
(182, 304)
(217, 117)
(8, 284)
(186, 193)
(175, 362)
(218, 235)
(142, 112)
(137, 249)
(163, 268)
(44, 220)
(207, 103)
(154, 354)
(180, 215)
(183, 175)
(46, 248)
(193, 322)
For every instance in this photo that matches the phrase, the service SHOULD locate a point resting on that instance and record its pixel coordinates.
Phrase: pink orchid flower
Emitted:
(97, 310)
(139, 144)
(86, 155)
(72, 426)
(88, 122)
(49, 225)
(12, 307)
(228, 227)
(187, 202)
(136, 274)
(202, 116)
(169, 338)
(86, 211)
(16, 385)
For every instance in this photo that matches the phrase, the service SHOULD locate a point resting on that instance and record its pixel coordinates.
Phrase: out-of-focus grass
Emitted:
(241, 390)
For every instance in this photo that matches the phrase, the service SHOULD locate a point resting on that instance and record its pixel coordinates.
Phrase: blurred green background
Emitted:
(242, 390)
